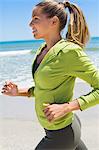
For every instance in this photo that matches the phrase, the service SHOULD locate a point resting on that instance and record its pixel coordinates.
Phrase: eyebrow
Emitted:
(34, 13)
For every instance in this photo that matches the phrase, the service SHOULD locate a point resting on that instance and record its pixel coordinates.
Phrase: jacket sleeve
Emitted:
(79, 65)
(31, 91)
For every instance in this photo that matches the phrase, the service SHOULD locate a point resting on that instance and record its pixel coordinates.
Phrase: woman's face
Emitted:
(40, 24)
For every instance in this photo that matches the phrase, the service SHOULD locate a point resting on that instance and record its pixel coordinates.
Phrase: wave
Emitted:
(22, 52)
(14, 53)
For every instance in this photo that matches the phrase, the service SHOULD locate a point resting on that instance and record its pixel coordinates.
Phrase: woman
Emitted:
(56, 65)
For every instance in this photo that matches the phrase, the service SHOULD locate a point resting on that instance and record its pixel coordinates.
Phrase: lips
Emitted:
(34, 30)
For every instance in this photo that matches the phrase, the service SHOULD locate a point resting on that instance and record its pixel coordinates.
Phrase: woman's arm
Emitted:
(23, 92)
(26, 92)
(11, 89)
(56, 111)
(74, 105)
(82, 67)
(79, 65)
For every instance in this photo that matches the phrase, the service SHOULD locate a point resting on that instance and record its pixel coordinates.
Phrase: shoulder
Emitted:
(71, 54)
(72, 47)
(65, 46)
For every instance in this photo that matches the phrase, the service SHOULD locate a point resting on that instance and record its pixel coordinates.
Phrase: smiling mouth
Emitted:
(33, 31)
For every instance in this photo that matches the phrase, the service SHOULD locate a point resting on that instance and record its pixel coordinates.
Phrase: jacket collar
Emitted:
(60, 45)
(56, 48)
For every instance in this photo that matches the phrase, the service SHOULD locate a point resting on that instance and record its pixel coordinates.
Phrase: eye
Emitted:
(36, 18)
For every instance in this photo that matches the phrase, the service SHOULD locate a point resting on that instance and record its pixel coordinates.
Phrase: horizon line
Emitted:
(22, 40)
(34, 40)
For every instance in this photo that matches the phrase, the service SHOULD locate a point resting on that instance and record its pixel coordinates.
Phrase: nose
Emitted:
(31, 23)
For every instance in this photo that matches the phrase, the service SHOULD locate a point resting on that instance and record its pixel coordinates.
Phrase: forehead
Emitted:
(37, 12)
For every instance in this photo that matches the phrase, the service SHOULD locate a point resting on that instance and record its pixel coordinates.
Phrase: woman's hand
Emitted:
(56, 111)
(10, 89)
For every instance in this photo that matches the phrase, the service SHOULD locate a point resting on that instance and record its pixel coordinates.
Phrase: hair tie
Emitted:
(61, 3)
(66, 4)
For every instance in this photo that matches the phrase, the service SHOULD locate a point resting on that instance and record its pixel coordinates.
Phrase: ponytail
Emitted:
(77, 27)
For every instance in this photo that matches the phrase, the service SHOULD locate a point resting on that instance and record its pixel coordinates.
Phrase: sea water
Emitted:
(16, 59)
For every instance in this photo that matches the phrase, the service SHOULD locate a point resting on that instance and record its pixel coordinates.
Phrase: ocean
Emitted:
(16, 60)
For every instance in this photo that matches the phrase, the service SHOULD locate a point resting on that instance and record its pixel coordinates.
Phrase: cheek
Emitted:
(45, 26)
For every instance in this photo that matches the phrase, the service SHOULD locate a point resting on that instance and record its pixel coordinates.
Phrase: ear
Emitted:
(54, 20)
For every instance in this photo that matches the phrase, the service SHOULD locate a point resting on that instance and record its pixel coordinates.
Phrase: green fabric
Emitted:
(55, 78)
(31, 91)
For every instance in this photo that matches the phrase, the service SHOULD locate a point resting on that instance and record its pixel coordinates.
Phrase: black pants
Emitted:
(67, 138)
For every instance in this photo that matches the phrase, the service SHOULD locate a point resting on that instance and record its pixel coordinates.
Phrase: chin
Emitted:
(38, 36)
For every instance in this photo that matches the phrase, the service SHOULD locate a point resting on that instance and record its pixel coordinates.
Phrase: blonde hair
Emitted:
(77, 27)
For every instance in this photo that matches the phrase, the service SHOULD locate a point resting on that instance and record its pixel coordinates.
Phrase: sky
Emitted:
(15, 16)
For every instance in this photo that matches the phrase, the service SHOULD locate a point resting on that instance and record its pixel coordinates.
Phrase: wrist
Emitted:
(22, 92)
(67, 108)
(74, 105)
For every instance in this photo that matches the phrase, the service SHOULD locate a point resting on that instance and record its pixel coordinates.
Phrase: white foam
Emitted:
(12, 53)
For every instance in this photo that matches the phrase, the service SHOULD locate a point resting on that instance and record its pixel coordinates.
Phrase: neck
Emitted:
(52, 40)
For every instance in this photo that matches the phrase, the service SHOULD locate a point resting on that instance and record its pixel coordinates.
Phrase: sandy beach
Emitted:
(20, 130)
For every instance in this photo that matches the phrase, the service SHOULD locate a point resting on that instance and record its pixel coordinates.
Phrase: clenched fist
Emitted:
(10, 89)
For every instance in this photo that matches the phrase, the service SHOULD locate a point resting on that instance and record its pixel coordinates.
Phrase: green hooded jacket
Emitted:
(55, 78)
